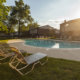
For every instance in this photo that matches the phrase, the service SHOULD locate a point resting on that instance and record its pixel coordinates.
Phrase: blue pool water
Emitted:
(52, 44)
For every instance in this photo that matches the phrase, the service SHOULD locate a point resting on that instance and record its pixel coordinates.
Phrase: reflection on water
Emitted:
(56, 45)
(52, 44)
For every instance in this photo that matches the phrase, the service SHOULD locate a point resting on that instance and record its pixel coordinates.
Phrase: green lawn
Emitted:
(3, 40)
(6, 40)
(54, 69)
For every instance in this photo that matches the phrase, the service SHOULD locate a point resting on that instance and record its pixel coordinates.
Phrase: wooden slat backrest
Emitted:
(5, 48)
(19, 55)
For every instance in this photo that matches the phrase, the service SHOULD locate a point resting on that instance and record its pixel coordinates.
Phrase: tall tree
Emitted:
(21, 13)
(3, 14)
(10, 23)
(32, 25)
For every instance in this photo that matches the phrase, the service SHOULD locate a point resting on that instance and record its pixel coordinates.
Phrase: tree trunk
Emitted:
(19, 29)
(9, 29)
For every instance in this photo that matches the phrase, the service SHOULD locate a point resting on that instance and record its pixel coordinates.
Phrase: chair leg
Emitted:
(17, 64)
(11, 59)
(43, 62)
(19, 70)
(3, 59)
(15, 69)
(11, 64)
(26, 67)
(23, 67)
(31, 68)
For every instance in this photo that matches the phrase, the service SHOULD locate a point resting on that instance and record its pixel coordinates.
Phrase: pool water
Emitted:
(52, 43)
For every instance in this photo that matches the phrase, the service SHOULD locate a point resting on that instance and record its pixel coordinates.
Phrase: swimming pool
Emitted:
(52, 43)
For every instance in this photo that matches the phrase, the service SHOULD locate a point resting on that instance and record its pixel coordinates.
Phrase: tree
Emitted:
(23, 28)
(3, 14)
(21, 14)
(10, 22)
(32, 25)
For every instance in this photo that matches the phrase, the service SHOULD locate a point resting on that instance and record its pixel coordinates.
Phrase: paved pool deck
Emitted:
(65, 53)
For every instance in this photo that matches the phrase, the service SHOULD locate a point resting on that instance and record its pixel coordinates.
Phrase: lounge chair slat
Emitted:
(35, 57)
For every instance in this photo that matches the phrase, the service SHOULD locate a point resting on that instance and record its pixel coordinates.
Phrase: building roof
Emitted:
(71, 21)
(46, 27)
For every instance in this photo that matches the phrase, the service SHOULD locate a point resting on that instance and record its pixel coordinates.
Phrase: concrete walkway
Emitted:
(70, 54)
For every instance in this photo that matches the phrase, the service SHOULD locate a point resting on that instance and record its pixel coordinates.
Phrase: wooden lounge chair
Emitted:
(4, 56)
(5, 51)
(28, 60)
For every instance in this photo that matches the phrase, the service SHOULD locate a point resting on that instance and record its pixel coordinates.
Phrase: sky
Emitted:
(52, 12)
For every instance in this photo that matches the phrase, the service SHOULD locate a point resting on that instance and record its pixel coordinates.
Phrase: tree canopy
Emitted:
(32, 25)
(21, 14)
(15, 17)
(3, 14)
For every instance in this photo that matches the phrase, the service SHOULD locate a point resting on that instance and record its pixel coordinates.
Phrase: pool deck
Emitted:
(63, 53)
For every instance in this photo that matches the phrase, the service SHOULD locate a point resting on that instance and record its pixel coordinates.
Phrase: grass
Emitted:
(6, 40)
(3, 40)
(54, 69)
